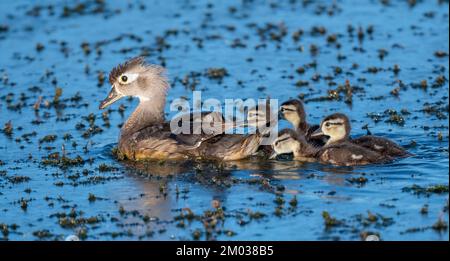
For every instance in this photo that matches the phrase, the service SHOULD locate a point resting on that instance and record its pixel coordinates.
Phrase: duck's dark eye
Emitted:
(124, 78)
(327, 124)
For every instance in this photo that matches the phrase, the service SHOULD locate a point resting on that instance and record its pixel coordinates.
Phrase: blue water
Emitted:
(142, 202)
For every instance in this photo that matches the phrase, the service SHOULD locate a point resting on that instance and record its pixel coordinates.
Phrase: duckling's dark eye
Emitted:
(327, 124)
(124, 78)
(286, 109)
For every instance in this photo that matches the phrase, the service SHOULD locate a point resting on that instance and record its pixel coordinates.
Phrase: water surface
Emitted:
(394, 55)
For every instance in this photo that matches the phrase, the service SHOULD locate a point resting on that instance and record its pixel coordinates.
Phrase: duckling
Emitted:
(294, 112)
(342, 154)
(337, 127)
(147, 135)
(290, 141)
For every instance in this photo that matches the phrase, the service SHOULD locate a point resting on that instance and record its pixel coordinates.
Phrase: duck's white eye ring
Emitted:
(127, 78)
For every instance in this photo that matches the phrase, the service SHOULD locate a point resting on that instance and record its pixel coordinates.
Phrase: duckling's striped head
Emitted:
(138, 79)
(288, 141)
(336, 126)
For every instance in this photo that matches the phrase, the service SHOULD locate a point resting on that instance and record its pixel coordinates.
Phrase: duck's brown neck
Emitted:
(301, 127)
(147, 113)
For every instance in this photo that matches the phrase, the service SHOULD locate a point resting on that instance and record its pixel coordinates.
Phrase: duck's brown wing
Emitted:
(380, 145)
(153, 142)
(162, 141)
(199, 127)
(230, 146)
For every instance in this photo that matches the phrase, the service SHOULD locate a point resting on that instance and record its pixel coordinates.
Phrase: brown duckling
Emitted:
(147, 135)
(337, 127)
(294, 112)
(342, 154)
(290, 141)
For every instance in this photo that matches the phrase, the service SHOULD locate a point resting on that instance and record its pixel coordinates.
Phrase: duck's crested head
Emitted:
(138, 79)
(294, 112)
(336, 126)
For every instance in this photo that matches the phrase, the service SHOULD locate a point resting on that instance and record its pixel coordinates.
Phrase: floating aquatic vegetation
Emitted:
(8, 129)
(330, 221)
(63, 162)
(216, 73)
(48, 138)
(106, 168)
(43, 234)
(17, 179)
(248, 199)
(440, 225)
(427, 191)
(358, 180)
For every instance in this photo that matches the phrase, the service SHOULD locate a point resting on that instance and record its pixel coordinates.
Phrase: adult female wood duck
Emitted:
(146, 134)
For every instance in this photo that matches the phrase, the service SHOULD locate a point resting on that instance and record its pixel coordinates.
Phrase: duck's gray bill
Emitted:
(317, 133)
(112, 97)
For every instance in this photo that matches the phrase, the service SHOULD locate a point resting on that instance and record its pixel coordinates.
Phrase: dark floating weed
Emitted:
(424, 209)
(93, 128)
(396, 69)
(358, 180)
(427, 191)
(342, 92)
(330, 221)
(216, 73)
(8, 129)
(92, 197)
(85, 47)
(256, 214)
(100, 78)
(4, 28)
(84, 8)
(375, 220)
(106, 168)
(23, 204)
(39, 47)
(440, 225)
(279, 200)
(382, 53)
(48, 138)
(58, 94)
(4, 228)
(440, 54)
(391, 116)
(17, 179)
(43, 234)
(293, 202)
(64, 162)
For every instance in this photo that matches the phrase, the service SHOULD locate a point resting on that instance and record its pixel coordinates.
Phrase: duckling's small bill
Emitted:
(317, 133)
